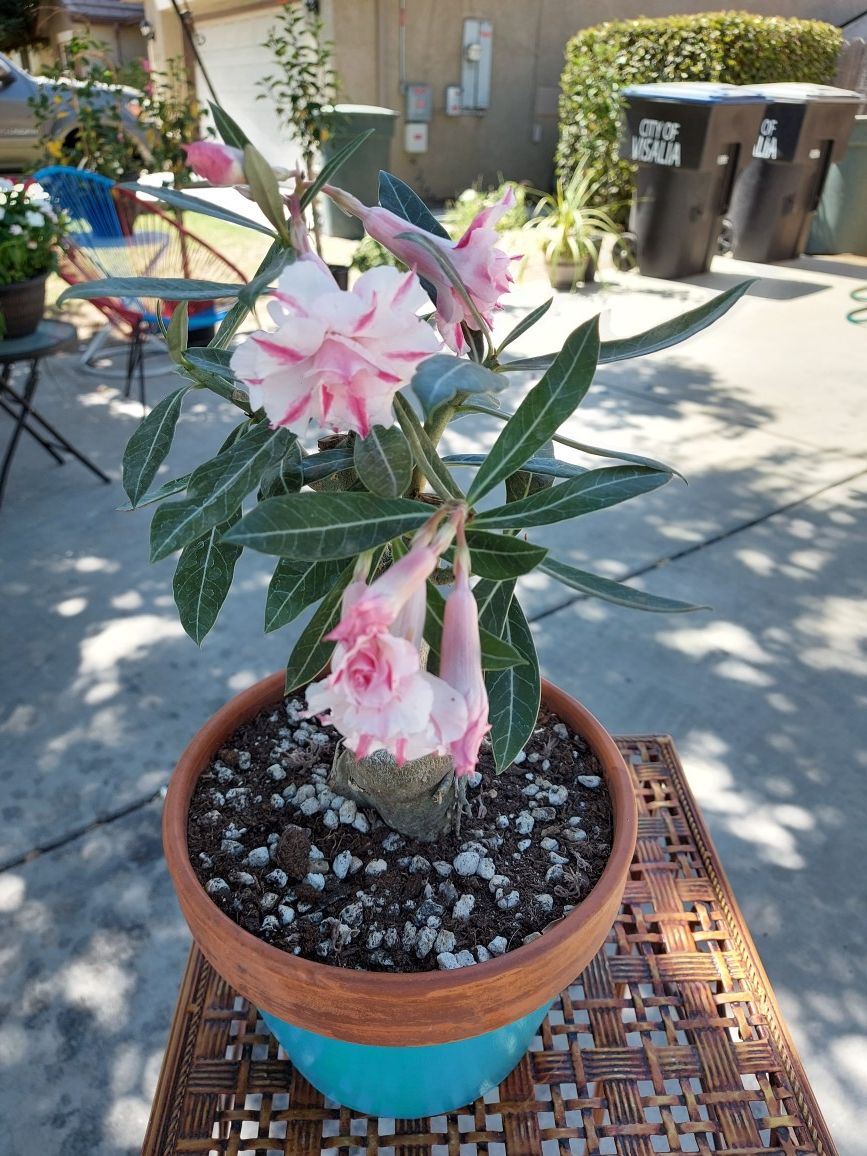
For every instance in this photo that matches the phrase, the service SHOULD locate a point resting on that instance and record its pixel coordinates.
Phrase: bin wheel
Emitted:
(726, 239)
(624, 252)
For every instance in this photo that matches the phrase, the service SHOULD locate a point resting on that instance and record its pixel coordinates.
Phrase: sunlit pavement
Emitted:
(765, 695)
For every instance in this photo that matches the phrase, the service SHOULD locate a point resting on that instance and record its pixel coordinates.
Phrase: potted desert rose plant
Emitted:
(403, 846)
(29, 234)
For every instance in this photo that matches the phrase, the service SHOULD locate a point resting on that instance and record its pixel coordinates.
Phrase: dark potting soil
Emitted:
(313, 874)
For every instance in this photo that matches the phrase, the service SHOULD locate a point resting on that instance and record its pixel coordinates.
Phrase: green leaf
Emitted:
(401, 200)
(493, 599)
(203, 578)
(195, 205)
(543, 410)
(161, 288)
(177, 333)
(265, 190)
(231, 323)
(147, 448)
(285, 476)
(216, 489)
(651, 340)
(497, 654)
(229, 130)
(322, 465)
(383, 461)
(529, 321)
(311, 653)
(501, 557)
(424, 451)
(526, 482)
(213, 360)
(514, 694)
(296, 585)
(610, 591)
(268, 273)
(440, 378)
(332, 167)
(166, 490)
(594, 490)
(327, 525)
(551, 467)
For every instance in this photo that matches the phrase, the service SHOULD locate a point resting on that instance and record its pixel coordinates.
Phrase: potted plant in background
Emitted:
(29, 233)
(401, 847)
(571, 226)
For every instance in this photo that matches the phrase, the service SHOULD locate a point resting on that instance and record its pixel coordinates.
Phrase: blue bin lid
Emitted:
(695, 92)
(790, 92)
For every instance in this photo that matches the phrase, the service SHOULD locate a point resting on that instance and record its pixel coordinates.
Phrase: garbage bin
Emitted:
(805, 128)
(840, 223)
(689, 140)
(359, 175)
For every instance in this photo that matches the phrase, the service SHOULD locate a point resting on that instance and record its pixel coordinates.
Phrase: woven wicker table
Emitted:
(670, 1041)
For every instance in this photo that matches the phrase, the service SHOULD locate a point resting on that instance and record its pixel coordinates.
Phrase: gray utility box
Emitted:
(359, 175)
(689, 140)
(805, 129)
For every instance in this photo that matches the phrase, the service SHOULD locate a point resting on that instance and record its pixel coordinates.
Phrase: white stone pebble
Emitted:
(277, 877)
(498, 881)
(502, 821)
(233, 831)
(244, 760)
(218, 886)
(524, 823)
(330, 821)
(286, 914)
(498, 945)
(464, 906)
(276, 772)
(308, 791)
(360, 823)
(316, 880)
(277, 802)
(523, 844)
(447, 961)
(509, 902)
(553, 857)
(590, 781)
(289, 792)
(442, 868)
(336, 803)
(482, 953)
(466, 863)
(474, 779)
(374, 940)
(465, 958)
(445, 941)
(574, 835)
(554, 874)
(392, 842)
(486, 868)
(546, 764)
(408, 936)
(355, 865)
(342, 863)
(258, 857)
(520, 757)
(530, 790)
(418, 865)
(549, 844)
(310, 807)
(352, 914)
(243, 878)
(425, 942)
(557, 796)
(348, 811)
(561, 730)
(270, 923)
(376, 867)
(268, 900)
(544, 903)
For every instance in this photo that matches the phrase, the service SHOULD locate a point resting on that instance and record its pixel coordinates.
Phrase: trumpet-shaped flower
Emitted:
(461, 666)
(483, 268)
(216, 163)
(379, 698)
(336, 358)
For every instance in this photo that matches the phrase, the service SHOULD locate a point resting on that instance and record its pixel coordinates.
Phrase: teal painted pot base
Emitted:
(407, 1082)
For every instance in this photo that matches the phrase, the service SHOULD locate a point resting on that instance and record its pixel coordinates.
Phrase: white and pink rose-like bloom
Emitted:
(483, 268)
(216, 163)
(337, 357)
(461, 666)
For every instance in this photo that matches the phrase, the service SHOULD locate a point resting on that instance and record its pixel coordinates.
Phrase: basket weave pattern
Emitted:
(669, 1041)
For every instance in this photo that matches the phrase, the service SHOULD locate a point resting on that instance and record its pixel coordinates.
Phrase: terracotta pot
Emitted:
(22, 306)
(408, 1044)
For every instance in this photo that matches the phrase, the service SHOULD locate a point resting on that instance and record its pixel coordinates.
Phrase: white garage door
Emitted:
(236, 61)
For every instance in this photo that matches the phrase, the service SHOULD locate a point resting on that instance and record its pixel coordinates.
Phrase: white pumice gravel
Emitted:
(590, 781)
(341, 864)
(376, 867)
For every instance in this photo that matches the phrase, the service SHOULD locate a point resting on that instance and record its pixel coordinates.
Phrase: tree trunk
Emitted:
(418, 799)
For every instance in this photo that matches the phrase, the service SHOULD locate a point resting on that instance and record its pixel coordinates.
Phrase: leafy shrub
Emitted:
(732, 47)
(460, 213)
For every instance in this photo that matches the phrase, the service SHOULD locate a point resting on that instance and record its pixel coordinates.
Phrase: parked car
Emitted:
(21, 140)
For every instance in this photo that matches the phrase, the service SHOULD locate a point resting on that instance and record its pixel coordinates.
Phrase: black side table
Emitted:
(49, 337)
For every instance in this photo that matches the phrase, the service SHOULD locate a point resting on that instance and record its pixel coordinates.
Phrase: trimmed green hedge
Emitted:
(734, 47)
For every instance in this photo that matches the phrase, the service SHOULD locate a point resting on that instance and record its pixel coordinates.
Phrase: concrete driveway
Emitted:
(765, 695)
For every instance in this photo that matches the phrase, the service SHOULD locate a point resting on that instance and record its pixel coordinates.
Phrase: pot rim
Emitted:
(357, 983)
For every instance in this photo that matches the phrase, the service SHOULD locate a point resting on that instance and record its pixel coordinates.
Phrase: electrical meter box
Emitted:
(476, 65)
(415, 137)
(419, 103)
(454, 103)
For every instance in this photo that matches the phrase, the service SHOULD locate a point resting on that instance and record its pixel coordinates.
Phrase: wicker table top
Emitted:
(670, 1041)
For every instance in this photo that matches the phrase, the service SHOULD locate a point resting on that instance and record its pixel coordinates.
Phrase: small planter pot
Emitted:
(564, 275)
(22, 306)
(410, 1044)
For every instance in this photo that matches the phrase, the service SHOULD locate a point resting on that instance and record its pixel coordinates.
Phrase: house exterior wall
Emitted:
(517, 135)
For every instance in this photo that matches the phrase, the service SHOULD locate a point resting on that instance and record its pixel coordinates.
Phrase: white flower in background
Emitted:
(15, 230)
(6, 186)
(34, 219)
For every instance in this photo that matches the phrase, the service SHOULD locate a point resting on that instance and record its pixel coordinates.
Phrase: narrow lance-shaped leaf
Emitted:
(265, 190)
(177, 333)
(203, 578)
(320, 466)
(216, 489)
(594, 490)
(161, 288)
(332, 167)
(551, 467)
(196, 205)
(424, 452)
(383, 460)
(166, 490)
(147, 448)
(543, 410)
(528, 322)
(229, 129)
(497, 653)
(232, 321)
(284, 476)
(607, 589)
(514, 694)
(501, 557)
(400, 199)
(327, 525)
(296, 585)
(440, 378)
(526, 481)
(311, 653)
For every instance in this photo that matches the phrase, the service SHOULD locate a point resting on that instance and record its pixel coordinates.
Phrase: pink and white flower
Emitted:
(483, 268)
(379, 698)
(461, 666)
(336, 358)
(216, 163)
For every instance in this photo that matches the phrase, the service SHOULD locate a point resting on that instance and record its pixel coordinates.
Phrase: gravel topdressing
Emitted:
(314, 874)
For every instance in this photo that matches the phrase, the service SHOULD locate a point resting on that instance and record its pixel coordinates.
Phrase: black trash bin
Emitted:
(689, 140)
(805, 129)
(359, 175)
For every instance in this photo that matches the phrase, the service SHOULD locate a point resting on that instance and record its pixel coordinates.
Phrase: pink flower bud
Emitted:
(218, 164)
(461, 666)
(483, 268)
